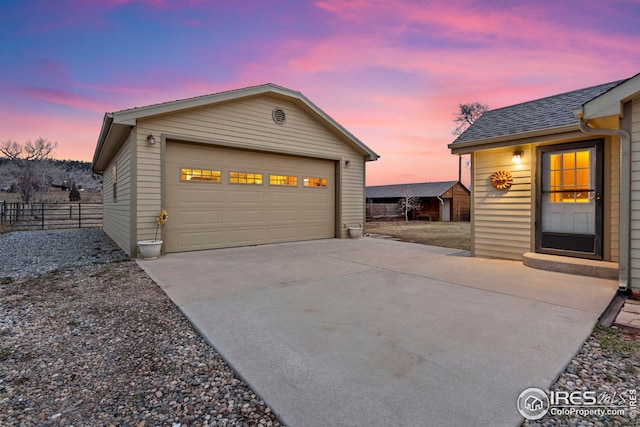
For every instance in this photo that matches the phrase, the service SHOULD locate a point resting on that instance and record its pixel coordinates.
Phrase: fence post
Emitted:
(42, 214)
(79, 216)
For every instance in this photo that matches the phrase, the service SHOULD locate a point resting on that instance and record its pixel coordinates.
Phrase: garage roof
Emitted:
(423, 189)
(116, 125)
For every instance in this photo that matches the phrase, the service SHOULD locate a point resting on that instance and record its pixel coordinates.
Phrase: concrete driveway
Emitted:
(374, 332)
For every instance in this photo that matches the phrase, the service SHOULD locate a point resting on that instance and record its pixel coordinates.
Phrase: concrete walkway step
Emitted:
(578, 266)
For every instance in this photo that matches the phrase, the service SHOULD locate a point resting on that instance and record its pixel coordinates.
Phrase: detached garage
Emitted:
(251, 166)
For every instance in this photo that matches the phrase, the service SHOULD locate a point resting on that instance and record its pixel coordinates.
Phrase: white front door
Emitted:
(570, 200)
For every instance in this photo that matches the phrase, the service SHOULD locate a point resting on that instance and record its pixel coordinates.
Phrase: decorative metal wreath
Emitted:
(501, 180)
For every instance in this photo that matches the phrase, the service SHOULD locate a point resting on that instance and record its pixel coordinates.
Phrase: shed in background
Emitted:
(439, 201)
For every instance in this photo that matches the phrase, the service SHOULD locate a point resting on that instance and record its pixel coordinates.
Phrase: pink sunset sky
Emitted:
(391, 72)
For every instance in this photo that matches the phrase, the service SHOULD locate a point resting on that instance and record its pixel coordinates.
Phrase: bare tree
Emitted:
(467, 114)
(29, 159)
(409, 203)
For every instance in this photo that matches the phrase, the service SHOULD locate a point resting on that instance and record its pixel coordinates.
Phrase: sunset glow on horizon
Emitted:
(390, 72)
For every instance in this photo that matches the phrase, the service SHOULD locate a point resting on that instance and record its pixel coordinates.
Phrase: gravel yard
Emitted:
(88, 339)
(95, 342)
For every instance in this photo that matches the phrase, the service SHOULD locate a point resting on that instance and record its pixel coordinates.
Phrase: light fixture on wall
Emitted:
(151, 140)
(347, 163)
(517, 156)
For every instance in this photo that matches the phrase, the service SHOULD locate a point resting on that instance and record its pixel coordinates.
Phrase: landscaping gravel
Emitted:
(33, 253)
(95, 342)
(100, 344)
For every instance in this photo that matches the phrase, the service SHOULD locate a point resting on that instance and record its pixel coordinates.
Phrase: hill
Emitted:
(56, 173)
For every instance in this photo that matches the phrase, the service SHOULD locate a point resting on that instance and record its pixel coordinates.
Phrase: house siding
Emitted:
(502, 226)
(612, 213)
(504, 221)
(117, 214)
(247, 123)
(635, 195)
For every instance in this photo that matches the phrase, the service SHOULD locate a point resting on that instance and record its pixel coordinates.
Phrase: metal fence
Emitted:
(23, 216)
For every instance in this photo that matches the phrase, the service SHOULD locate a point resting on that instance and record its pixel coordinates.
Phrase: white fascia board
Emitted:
(611, 102)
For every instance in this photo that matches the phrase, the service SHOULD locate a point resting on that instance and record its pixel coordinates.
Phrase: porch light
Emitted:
(151, 140)
(517, 156)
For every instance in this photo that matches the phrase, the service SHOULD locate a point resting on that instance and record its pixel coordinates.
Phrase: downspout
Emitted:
(624, 254)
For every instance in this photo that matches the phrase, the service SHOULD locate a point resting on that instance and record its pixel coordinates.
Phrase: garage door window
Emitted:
(245, 178)
(314, 182)
(287, 180)
(200, 175)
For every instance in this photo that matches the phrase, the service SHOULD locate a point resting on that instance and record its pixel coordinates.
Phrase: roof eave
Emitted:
(508, 140)
(130, 117)
(102, 138)
(611, 102)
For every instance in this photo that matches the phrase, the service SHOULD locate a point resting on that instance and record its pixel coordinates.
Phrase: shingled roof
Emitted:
(423, 189)
(545, 113)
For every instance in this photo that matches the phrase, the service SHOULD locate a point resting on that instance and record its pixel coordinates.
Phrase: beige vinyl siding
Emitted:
(502, 225)
(612, 190)
(117, 215)
(247, 123)
(635, 194)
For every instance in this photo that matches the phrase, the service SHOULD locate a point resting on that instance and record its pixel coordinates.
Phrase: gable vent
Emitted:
(279, 115)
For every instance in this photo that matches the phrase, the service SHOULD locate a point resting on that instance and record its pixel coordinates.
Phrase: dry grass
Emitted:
(455, 235)
(54, 196)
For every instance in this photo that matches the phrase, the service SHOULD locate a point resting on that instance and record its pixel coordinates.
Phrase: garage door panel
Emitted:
(199, 218)
(285, 197)
(242, 195)
(207, 215)
(275, 216)
(238, 217)
(282, 234)
(199, 197)
(315, 231)
(245, 236)
(199, 239)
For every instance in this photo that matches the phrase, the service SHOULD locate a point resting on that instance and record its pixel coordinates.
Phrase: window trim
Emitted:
(323, 182)
(286, 178)
(246, 182)
(209, 181)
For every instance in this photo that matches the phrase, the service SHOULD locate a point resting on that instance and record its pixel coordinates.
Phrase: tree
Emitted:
(467, 114)
(409, 203)
(29, 159)
(74, 194)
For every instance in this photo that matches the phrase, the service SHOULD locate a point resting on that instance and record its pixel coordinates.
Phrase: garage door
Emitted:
(219, 197)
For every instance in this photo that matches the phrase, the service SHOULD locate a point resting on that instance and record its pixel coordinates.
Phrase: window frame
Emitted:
(246, 180)
(284, 178)
(209, 181)
(324, 182)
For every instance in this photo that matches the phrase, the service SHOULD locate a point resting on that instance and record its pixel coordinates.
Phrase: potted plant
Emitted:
(150, 249)
(355, 232)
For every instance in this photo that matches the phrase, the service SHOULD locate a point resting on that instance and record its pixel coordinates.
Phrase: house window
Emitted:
(245, 178)
(200, 175)
(115, 183)
(569, 177)
(314, 182)
(283, 180)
